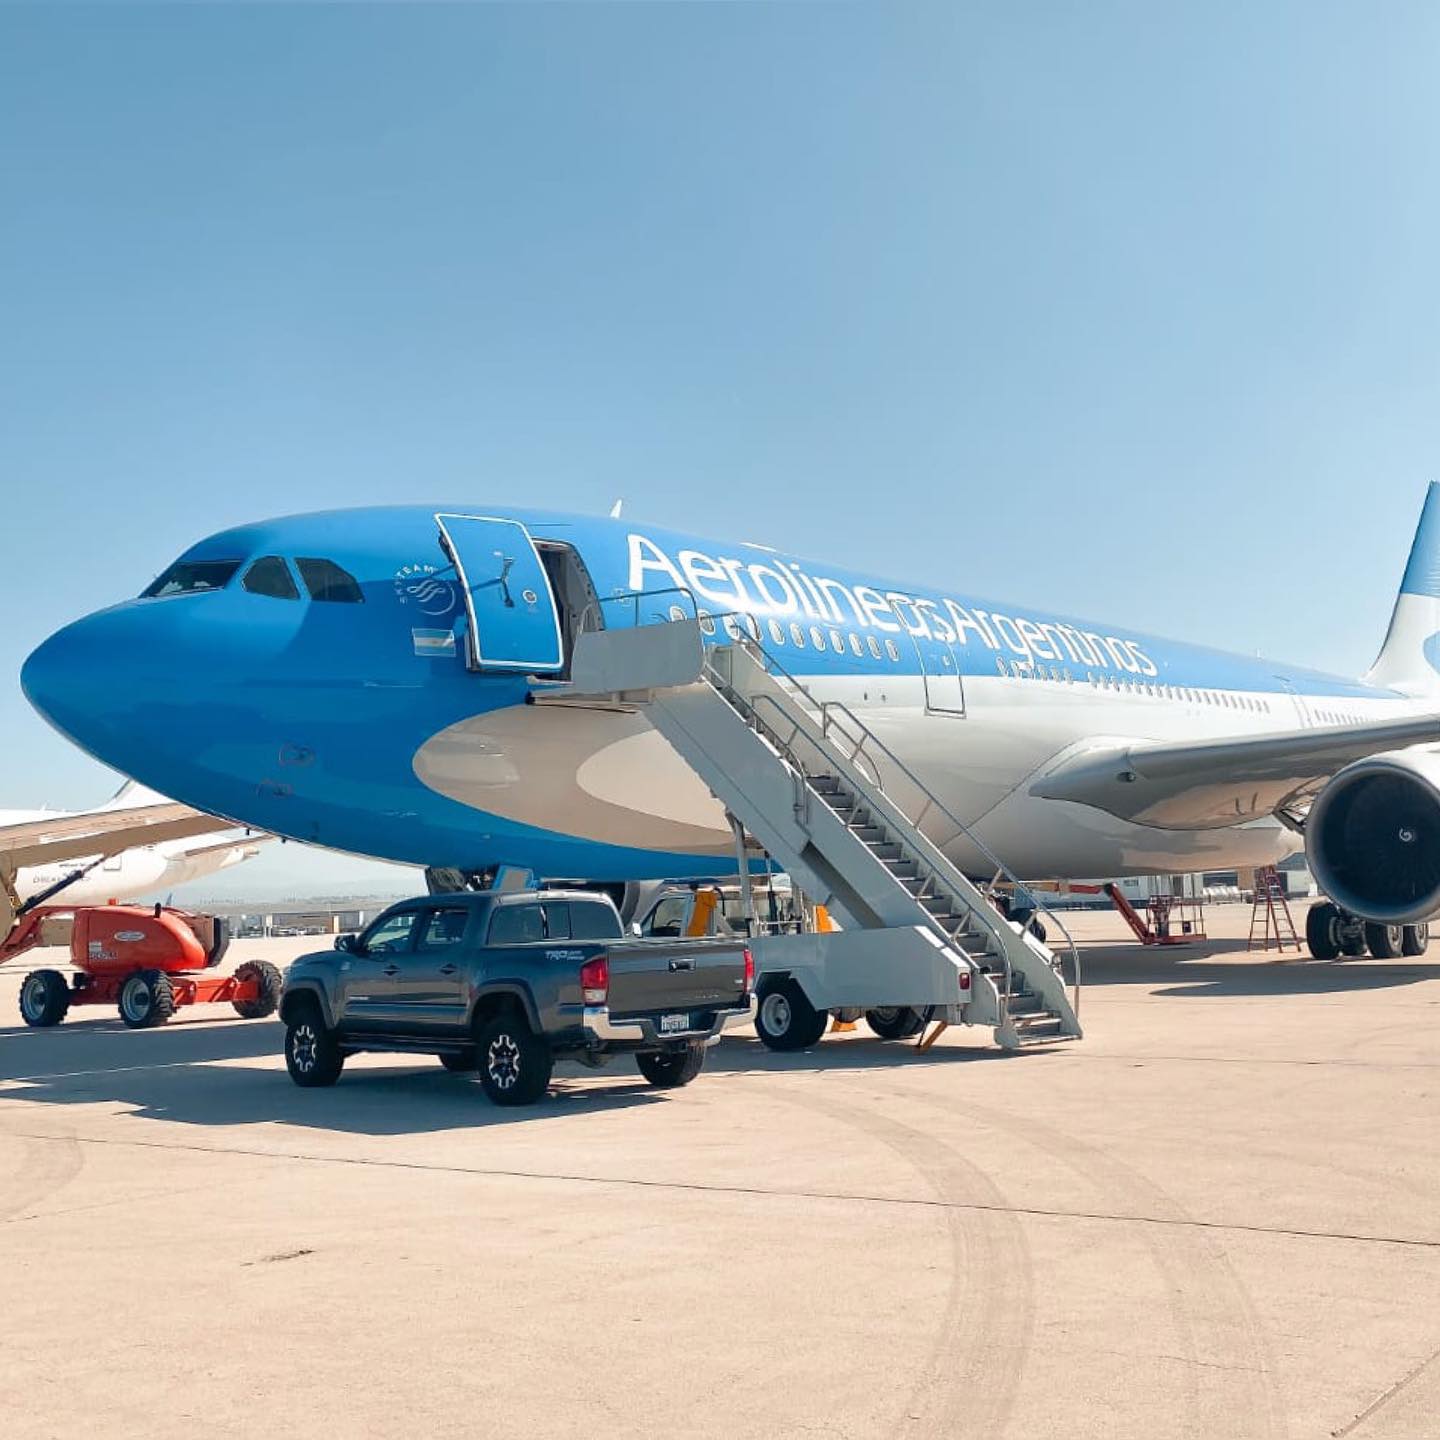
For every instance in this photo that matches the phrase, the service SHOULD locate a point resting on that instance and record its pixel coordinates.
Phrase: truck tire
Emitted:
(514, 1062)
(146, 999)
(270, 983)
(1417, 939)
(1322, 930)
(669, 1069)
(786, 1020)
(312, 1053)
(464, 1063)
(1384, 941)
(44, 998)
(895, 1022)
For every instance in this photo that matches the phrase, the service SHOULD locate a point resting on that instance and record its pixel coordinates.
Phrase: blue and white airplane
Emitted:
(359, 680)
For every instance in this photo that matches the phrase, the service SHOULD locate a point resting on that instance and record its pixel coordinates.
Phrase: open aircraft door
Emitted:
(512, 620)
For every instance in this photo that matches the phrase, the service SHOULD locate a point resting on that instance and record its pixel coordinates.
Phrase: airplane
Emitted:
(361, 679)
(137, 844)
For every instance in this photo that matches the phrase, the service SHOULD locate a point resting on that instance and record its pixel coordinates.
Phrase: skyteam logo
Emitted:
(773, 586)
(419, 585)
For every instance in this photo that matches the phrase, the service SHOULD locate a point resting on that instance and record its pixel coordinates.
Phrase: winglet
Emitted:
(1409, 660)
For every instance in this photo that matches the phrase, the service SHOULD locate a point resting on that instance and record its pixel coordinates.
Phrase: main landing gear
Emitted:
(1331, 932)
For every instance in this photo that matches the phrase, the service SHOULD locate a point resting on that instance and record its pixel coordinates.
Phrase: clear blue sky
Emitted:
(1126, 309)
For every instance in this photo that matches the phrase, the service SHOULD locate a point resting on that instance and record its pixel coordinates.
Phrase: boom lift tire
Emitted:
(312, 1056)
(668, 1070)
(463, 1062)
(1384, 941)
(895, 1022)
(268, 981)
(514, 1062)
(786, 1020)
(1416, 939)
(1322, 930)
(146, 999)
(44, 998)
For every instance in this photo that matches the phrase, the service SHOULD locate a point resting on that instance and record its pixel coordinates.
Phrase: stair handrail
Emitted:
(746, 634)
(931, 801)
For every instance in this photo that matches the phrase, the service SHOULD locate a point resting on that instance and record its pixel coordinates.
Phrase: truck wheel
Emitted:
(786, 1020)
(44, 998)
(1384, 941)
(669, 1069)
(146, 999)
(895, 1022)
(1417, 939)
(1322, 930)
(462, 1064)
(515, 1063)
(268, 981)
(312, 1054)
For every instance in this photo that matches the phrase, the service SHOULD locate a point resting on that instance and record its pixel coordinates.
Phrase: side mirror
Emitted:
(348, 942)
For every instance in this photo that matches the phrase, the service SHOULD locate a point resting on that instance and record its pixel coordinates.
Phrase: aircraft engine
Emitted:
(1373, 837)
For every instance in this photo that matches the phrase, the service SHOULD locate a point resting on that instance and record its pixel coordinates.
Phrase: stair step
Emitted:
(903, 869)
(885, 849)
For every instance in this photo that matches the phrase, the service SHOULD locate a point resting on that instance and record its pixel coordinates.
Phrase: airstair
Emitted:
(821, 793)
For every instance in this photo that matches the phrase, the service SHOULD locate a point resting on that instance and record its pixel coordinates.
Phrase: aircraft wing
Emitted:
(108, 832)
(1204, 785)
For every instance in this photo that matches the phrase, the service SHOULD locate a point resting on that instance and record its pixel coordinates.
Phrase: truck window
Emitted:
(590, 920)
(390, 935)
(440, 929)
(516, 925)
(557, 920)
(667, 917)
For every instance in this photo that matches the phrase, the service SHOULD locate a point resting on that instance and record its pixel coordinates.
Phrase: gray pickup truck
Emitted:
(505, 984)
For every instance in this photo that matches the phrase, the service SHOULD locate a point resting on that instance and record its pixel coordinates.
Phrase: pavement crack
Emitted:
(900, 1202)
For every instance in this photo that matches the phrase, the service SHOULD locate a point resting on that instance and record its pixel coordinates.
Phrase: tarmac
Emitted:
(1217, 1215)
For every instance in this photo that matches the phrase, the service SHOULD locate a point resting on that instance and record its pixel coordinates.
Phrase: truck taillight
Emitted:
(749, 970)
(595, 980)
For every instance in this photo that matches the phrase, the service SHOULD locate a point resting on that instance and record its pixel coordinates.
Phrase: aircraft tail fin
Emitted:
(1409, 660)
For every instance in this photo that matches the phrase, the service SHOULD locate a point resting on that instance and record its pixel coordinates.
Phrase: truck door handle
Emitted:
(681, 965)
(447, 969)
(392, 970)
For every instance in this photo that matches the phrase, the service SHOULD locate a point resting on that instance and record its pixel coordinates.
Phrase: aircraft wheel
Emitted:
(1322, 930)
(1416, 939)
(44, 998)
(1384, 941)
(895, 1022)
(786, 1020)
(146, 999)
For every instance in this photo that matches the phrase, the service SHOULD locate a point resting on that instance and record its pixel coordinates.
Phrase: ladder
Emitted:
(822, 794)
(1270, 914)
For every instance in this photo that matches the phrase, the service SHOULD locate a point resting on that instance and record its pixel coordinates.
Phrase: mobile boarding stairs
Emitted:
(807, 780)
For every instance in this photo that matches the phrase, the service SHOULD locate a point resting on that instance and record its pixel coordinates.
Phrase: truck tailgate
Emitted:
(648, 976)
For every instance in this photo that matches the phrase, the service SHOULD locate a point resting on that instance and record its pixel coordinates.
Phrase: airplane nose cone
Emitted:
(88, 677)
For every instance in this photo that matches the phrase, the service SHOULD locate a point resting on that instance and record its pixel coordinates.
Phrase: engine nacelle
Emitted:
(1373, 837)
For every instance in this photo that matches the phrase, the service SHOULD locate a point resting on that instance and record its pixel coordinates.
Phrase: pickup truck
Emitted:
(506, 983)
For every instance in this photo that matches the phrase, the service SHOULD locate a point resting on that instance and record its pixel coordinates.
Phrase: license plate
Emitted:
(669, 1023)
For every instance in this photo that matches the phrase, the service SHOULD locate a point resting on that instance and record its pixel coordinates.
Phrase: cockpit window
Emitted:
(185, 576)
(270, 575)
(325, 580)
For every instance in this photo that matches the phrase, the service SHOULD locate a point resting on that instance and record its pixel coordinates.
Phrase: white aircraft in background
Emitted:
(137, 844)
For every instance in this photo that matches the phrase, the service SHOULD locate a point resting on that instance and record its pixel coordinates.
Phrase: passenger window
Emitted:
(777, 632)
(874, 645)
(589, 921)
(390, 935)
(856, 649)
(441, 929)
(892, 652)
(270, 575)
(186, 576)
(797, 635)
(517, 925)
(817, 637)
(557, 921)
(325, 580)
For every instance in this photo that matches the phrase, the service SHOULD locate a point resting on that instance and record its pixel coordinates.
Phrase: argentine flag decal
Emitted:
(433, 642)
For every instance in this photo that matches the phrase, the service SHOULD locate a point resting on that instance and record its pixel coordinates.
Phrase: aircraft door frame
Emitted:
(536, 644)
(942, 677)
